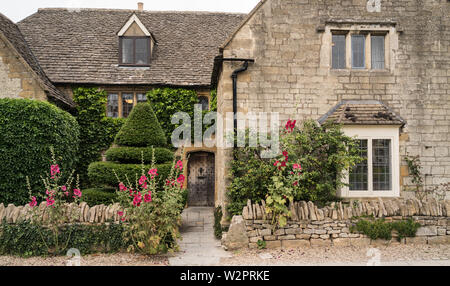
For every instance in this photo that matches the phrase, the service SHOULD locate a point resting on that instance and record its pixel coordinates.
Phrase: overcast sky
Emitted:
(16, 10)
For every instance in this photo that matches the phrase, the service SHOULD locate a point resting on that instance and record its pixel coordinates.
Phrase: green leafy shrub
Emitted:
(406, 228)
(134, 155)
(323, 154)
(102, 173)
(28, 129)
(261, 244)
(99, 130)
(380, 229)
(142, 129)
(375, 229)
(217, 222)
(98, 196)
(168, 101)
(213, 102)
(251, 177)
(24, 239)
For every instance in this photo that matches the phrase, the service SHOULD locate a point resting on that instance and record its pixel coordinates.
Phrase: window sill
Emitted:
(359, 71)
(133, 66)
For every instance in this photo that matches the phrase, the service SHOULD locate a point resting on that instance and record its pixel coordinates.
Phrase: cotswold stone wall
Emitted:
(81, 213)
(313, 226)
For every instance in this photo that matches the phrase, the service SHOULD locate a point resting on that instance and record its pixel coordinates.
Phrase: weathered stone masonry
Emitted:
(313, 226)
(81, 213)
(290, 43)
(16, 80)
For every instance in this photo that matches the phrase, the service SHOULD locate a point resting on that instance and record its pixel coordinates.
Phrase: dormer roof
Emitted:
(133, 19)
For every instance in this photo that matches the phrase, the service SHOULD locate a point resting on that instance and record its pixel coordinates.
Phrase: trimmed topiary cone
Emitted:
(142, 129)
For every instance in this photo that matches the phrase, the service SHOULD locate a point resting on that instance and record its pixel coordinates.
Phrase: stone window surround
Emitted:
(370, 133)
(387, 29)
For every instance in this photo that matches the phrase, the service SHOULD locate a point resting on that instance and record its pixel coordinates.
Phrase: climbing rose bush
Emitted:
(311, 168)
(152, 216)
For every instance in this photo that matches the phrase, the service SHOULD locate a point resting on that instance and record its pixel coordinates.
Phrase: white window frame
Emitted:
(370, 133)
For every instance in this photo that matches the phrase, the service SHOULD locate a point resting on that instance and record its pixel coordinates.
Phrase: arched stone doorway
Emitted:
(201, 179)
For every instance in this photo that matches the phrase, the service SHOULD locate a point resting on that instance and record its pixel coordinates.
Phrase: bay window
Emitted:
(377, 175)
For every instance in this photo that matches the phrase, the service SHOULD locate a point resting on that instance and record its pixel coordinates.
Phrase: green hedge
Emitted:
(103, 172)
(24, 239)
(142, 129)
(28, 128)
(99, 130)
(133, 155)
(98, 196)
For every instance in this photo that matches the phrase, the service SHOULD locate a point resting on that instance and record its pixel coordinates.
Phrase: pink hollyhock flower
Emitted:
(122, 187)
(120, 213)
(180, 179)
(148, 197)
(54, 169)
(123, 219)
(179, 165)
(295, 183)
(77, 193)
(283, 164)
(33, 202)
(276, 163)
(285, 153)
(67, 194)
(153, 173)
(64, 188)
(137, 199)
(297, 166)
(50, 202)
(142, 180)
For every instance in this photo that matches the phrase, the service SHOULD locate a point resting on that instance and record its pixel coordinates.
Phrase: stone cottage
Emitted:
(380, 67)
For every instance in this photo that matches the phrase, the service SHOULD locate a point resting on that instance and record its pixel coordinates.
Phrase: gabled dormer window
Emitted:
(135, 43)
(135, 51)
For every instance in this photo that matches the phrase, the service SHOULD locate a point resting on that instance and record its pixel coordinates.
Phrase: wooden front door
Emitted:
(201, 179)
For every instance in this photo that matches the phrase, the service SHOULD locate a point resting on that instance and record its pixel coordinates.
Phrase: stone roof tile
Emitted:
(362, 112)
(82, 46)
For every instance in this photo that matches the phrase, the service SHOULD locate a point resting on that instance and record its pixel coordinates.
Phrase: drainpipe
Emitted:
(234, 77)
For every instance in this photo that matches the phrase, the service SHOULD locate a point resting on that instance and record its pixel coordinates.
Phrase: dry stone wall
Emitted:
(73, 213)
(327, 226)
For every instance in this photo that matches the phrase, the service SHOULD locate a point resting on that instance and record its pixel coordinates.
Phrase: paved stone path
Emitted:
(198, 246)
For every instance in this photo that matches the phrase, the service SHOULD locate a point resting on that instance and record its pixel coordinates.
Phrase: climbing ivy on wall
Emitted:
(97, 130)
(168, 101)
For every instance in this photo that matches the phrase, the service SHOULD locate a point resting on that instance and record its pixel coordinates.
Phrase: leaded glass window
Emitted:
(358, 51)
(381, 164)
(141, 97)
(359, 175)
(127, 104)
(377, 52)
(112, 109)
(338, 52)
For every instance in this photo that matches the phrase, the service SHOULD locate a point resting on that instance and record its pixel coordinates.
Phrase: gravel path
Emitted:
(120, 259)
(393, 255)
